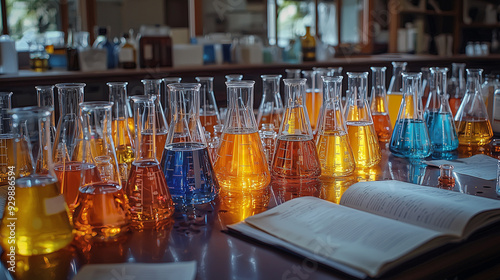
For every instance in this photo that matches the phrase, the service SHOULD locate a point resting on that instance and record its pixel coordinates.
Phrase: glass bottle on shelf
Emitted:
(379, 109)
(209, 113)
(360, 127)
(296, 159)
(67, 153)
(293, 73)
(165, 96)
(101, 211)
(394, 92)
(241, 163)
(127, 54)
(233, 77)
(332, 144)
(308, 43)
(186, 162)
(146, 187)
(122, 137)
(41, 222)
(152, 87)
(410, 138)
(472, 122)
(103, 42)
(456, 86)
(271, 105)
(438, 116)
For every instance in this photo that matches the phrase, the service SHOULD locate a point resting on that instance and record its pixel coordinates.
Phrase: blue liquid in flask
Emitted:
(409, 139)
(189, 173)
(442, 132)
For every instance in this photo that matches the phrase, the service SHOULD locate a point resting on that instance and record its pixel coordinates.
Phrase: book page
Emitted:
(433, 208)
(361, 240)
(480, 166)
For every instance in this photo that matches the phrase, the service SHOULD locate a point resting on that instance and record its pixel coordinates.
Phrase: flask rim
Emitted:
(207, 78)
(243, 83)
(184, 86)
(169, 80)
(95, 105)
(70, 85)
(117, 83)
(30, 112)
(43, 87)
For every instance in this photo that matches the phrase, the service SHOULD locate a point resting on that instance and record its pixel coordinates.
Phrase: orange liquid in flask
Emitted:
(208, 122)
(241, 163)
(314, 100)
(474, 132)
(364, 144)
(296, 158)
(70, 178)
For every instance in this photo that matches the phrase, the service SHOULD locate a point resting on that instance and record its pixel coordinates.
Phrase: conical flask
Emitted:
(456, 86)
(379, 109)
(186, 161)
(473, 125)
(410, 138)
(313, 99)
(234, 77)
(394, 92)
(209, 113)
(360, 128)
(39, 213)
(45, 98)
(67, 153)
(152, 87)
(241, 164)
(271, 106)
(296, 158)
(165, 96)
(438, 116)
(101, 211)
(122, 137)
(426, 83)
(146, 187)
(334, 150)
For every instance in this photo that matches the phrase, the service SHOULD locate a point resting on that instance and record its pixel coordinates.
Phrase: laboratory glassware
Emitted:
(7, 155)
(410, 138)
(358, 118)
(456, 86)
(446, 179)
(122, 137)
(233, 77)
(146, 188)
(45, 98)
(39, 211)
(314, 98)
(335, 71)
(292, 73)
(295, 159)
(209, 113)
(271, 105)
(241, 163)
(424, 90)
(394, 92)
(332, 142)
(438, 116)
(165, 96)
(268, 137)
(152, 87)
(186, 162)
(471, 120)
(379, 109)
(101, 212)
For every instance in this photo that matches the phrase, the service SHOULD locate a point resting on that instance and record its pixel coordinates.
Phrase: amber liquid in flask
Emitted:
(394, 92)
(474, 131)
(296, 158)
(271, 105)
(36, 221)
(379, 109)
(69, 175)
(241, 164)
(152, 87)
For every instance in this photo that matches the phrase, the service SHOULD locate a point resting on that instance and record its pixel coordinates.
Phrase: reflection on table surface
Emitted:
(196, 233)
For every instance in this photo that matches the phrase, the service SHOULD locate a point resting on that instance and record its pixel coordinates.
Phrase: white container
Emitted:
(187, 55)
(8, 55)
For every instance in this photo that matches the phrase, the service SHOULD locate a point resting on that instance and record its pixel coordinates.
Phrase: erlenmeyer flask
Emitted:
(146, 187)
(358, 118)
(332, 143)
(410, 138)
(293, 73)
(165, 96)
(456, 86)
(394, 92)
(234, 77)
(45, 98)
(426, 82)
(314, 98)
(271, 106)
(380, 111)
(122, 137)
(185, 161)
(7, 157)
(152, 87)
(438, 116)
(296, 158)
(209, 114)
(268, 137)
(40, 214)
(101, 211)
(473, 125)
(241, 164)
(67, 154)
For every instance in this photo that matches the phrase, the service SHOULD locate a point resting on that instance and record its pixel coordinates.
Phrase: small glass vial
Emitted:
(446, 179)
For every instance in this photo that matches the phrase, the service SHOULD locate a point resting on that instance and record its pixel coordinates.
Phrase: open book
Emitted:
(377, 226)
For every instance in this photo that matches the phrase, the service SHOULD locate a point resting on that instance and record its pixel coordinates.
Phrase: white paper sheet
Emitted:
(480, 166)
(176, 270)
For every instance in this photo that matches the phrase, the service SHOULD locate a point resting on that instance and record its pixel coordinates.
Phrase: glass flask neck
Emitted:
(240, 107)
(234, 77)
(292, 73)
(335, 71)
(295, 121)
(118, 95)
(5, 118)
(332, 90)
(207, 101)
(70, 96)
(45, 98)
(310, 76)
(270, 86)
(396, 84)
(357, 83)
(331, 118)
(145, 126)
(411, 89)
(438, 85)
(152, 87)
(474, 81)
(378, 81)
(457, 74)
(446, 170)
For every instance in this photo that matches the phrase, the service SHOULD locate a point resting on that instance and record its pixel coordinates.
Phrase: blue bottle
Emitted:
(410, 137)
(102, 42)
(186, 162)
